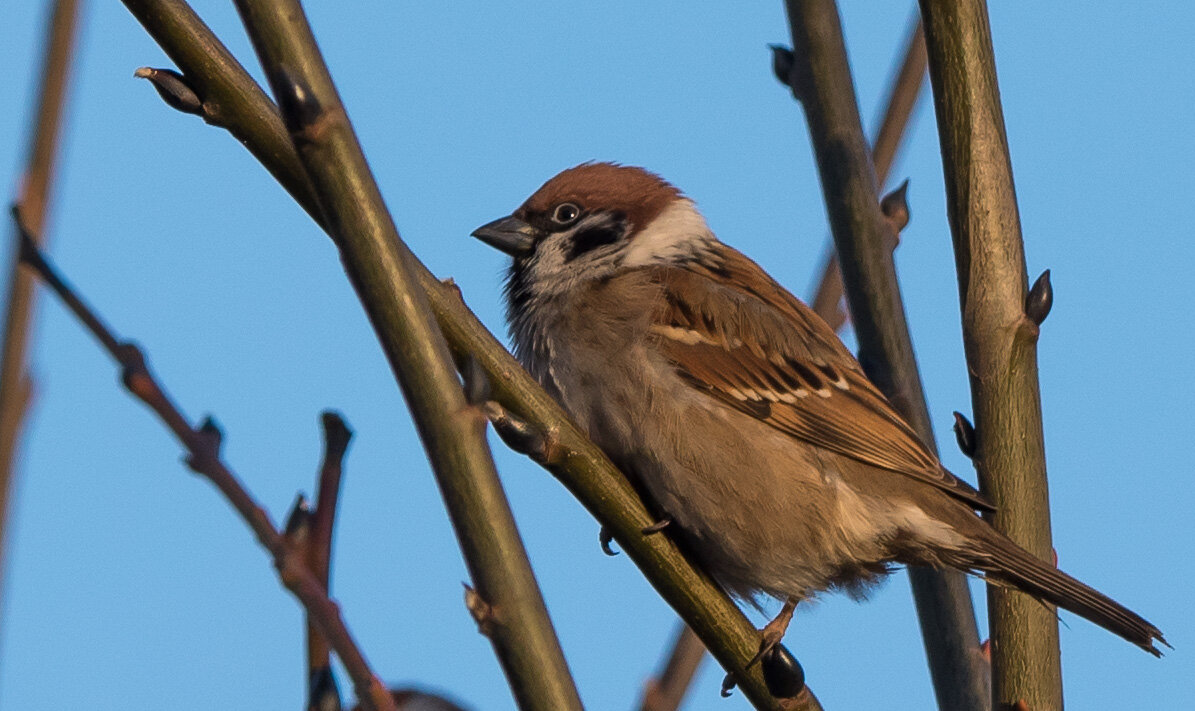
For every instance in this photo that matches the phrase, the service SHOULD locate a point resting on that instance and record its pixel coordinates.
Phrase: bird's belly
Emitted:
(762, 511)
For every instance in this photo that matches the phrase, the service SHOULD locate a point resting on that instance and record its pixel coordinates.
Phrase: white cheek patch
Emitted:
(678, 231)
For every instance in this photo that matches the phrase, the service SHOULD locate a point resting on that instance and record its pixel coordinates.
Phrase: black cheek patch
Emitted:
(590, 238)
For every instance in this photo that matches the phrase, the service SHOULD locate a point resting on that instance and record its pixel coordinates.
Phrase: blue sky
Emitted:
(131, 584)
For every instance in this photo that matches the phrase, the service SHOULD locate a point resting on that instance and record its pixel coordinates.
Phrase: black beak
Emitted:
(509, 234)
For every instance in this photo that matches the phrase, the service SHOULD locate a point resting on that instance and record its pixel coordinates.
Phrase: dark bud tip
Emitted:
(728, 684)
(1040, 299)
(322, 694)
(173, 88)
(210, 429)
(477, 385)
(298, 521)
(606, 539)
(782, 673)
(895, 206)
(964, 432)
(782, 63)
(300, 108)
(336, 431)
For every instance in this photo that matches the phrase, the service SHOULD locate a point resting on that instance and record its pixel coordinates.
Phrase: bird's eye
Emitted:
(566, 213)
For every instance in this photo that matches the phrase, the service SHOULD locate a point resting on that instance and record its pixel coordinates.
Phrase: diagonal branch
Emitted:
(15, 383)
(203, 457)
(579, 465)
(999, 337)
(452, 430)
(821, 81)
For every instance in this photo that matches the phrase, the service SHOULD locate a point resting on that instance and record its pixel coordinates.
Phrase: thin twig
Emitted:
(203, 449)
(323, 518)
(821, 79)
(999, 337)
(16, 385)
(580, 466)
(903, 94)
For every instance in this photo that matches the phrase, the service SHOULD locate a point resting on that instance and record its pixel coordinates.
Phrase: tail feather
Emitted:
(1007, 562)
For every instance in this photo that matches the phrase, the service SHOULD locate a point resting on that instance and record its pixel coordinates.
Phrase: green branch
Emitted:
(218, 80)
(821, 80)
(1000, 340)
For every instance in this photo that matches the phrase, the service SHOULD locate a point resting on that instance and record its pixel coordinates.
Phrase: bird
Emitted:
(740, 416)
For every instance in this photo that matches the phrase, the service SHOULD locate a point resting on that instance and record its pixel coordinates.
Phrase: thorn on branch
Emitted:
(173, 88)
(782, 63)
(606, 539)
(782, 673)
(1040, 299)
(481, 611)
(964, 434)
(895, 206)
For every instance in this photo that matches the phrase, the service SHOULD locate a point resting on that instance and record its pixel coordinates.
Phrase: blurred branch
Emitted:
(903, 93)
(821, 80)
(203, 457)
(452, 430)
(16, 384)
(667, 691)
(999, 338)
(577, 463)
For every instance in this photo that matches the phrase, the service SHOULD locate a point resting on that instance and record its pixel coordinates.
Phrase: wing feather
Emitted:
(771, 357)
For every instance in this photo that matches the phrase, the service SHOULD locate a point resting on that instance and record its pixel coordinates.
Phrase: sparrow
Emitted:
(736, 410)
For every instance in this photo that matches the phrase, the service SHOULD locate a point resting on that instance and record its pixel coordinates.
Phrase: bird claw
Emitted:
(657, 526)
(773, 632)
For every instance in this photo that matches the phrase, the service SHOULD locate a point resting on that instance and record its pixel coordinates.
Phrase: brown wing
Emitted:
(751, 357)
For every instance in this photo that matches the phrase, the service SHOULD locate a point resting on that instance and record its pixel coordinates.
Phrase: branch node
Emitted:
(783, 674)
(964, 434)
(481, 611)
(206, 450)
(174, 89)
(606, 538)
(895, 206)
(450, 284)
(1040, 299)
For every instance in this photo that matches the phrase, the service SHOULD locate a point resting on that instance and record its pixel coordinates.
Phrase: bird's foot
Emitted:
(773, 632)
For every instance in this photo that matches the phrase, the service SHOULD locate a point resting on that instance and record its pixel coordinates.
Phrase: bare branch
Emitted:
(861, 237)
(452, 430)
(1000, 327)
(16, 385)
(203, 457)
(581, 466)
